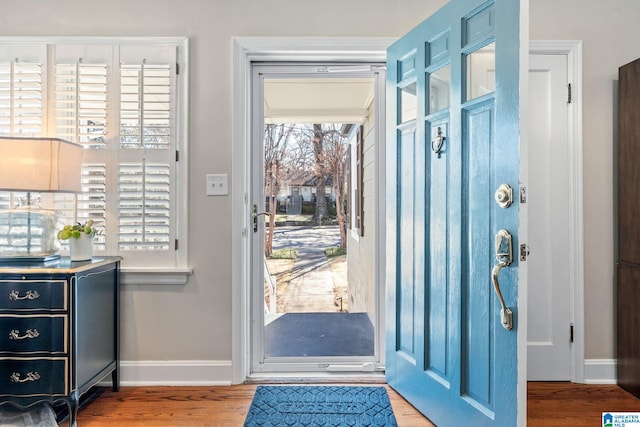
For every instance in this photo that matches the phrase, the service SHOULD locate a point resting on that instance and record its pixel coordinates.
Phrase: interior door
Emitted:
(549, 276)
(453, 92)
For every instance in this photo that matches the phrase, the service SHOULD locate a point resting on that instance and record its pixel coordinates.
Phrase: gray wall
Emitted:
(193, 322)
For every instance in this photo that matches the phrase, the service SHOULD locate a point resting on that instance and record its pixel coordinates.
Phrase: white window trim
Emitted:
(141, 276)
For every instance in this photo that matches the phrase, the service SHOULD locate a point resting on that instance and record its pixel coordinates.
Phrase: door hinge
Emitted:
(177, 68)
(524, 252)
(177, 156)
(569, 93)
(176, 244)
(571, 333)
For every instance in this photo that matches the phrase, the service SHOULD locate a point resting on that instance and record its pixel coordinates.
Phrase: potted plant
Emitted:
(80, 238)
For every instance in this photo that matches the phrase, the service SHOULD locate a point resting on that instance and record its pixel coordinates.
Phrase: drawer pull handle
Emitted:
(15, 295)
(29, 333)
(31, 376)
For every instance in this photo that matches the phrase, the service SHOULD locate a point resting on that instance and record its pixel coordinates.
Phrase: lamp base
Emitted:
(28, 234)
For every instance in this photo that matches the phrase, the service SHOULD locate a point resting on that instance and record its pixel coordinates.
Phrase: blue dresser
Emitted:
(59, 330)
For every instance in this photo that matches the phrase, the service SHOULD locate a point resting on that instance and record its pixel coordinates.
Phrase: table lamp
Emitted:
(28, 232)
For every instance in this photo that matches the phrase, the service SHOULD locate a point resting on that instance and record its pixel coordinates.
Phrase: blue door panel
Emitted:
(479, 320)
(437, 297)
(437, 50)
(447, 352)
(406, 253)
(479, 24)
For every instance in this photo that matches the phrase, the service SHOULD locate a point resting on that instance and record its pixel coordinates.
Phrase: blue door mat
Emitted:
(320, 406)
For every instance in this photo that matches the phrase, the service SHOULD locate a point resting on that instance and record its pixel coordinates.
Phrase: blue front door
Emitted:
(453, 139)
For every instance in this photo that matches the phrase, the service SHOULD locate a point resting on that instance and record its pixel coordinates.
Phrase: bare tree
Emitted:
(319, 148)
(318, 152)
(276, 141)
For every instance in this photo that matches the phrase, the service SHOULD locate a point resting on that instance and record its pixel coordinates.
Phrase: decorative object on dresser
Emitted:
(59, 330)
(35, 165)
(80, 237)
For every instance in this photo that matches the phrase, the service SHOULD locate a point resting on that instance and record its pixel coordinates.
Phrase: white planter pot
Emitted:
(81, 249)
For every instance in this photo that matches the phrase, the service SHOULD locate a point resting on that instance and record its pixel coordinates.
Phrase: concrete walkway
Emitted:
(311, 285)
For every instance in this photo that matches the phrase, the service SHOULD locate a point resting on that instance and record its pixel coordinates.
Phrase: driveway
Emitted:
(306, 238)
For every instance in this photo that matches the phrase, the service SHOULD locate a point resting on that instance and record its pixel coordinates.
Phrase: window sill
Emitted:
(155, 276)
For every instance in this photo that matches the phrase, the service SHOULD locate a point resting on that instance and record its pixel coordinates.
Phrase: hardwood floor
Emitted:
(549, 405)
(576, 405)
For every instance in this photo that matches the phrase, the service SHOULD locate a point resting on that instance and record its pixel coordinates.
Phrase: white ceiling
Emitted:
(317, 100)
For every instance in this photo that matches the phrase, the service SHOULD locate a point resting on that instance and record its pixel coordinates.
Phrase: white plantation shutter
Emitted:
(147, 141)
(145, 106)
(21, 97)
(81, 103)
(91, 203)
(144, 207)
(80, 106)
(120, 101)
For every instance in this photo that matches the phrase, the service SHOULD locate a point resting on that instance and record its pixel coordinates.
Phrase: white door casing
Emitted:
(247, 50)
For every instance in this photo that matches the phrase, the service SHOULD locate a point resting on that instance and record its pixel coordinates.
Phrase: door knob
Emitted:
(504, 196)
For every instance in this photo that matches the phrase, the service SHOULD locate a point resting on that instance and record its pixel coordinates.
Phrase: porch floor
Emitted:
(319, 334)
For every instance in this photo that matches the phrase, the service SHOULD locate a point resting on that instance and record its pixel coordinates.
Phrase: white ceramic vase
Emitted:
(81, 249)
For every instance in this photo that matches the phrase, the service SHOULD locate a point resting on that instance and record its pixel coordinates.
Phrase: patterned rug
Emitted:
(320, 406)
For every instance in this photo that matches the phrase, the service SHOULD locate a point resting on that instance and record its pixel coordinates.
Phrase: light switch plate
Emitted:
(217, 185)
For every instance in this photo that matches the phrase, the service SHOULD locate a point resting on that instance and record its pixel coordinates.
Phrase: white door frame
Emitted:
(251, 49)
(247, 50)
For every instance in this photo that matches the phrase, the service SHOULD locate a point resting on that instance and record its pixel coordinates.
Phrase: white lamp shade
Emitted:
(40, 165)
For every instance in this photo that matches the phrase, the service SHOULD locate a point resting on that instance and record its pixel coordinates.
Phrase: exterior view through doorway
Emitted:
(314, 180)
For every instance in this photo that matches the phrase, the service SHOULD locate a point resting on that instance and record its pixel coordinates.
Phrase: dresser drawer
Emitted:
(33, 377)
(29, 295)
(33, 333)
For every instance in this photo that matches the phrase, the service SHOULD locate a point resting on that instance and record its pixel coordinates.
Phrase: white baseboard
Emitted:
(600, 371)
(175, 373)
(220, 372)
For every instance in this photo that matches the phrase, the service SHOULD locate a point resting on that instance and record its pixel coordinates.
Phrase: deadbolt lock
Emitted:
(504, 196)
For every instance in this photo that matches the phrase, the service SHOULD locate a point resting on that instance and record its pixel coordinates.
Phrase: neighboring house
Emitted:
(303, 185)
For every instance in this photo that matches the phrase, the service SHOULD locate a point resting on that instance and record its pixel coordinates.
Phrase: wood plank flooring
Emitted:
(549, 405)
